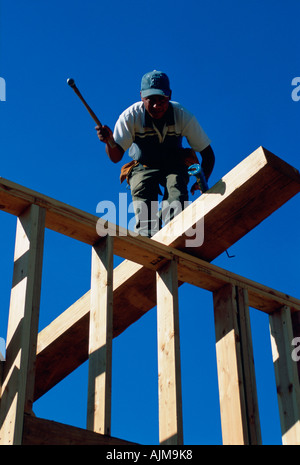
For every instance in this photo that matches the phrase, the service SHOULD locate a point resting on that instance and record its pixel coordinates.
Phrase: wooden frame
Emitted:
(230, 209)
(34, 362)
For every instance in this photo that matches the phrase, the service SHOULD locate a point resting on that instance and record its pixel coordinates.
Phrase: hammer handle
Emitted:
(95, 118)
(111, 143)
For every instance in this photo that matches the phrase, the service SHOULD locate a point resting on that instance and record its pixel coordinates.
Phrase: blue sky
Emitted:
(231, 64)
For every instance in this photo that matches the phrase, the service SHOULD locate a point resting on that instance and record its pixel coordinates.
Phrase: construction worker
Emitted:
(152, 130)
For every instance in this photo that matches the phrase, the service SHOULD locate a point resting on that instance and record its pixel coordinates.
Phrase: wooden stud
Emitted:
(100, 338)
(19, 368)
(169, 371)
(286, 374)
(236, 376)
(243, 315)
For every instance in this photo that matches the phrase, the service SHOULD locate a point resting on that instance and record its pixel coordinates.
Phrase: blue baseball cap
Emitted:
(155, 83)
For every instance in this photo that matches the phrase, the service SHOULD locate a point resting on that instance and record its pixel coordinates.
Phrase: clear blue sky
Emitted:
(231, 64)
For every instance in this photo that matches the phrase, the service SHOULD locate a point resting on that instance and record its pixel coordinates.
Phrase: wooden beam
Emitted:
(42, 432)
(233, 206)
(236, 376)
(169, 371)
(100, 338)
(287, 381)
(19, 367)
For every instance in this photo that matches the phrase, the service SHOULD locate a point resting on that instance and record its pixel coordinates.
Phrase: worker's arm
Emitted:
(207, 165)
(113, 150)
(208, 161)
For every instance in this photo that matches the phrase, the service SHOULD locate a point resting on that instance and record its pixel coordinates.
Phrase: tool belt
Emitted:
(189, 158)
(126, 170)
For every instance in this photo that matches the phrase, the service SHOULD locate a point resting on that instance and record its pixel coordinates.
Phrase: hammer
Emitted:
(72, 84)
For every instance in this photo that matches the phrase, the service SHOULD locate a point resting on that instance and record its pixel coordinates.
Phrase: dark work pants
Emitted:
(145, 185)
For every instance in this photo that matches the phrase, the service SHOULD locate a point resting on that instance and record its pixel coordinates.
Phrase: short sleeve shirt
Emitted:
(135, 130)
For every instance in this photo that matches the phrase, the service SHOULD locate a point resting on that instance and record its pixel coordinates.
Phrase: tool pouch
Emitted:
(126, 170)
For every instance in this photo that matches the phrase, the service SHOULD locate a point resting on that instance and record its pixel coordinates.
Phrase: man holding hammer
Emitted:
(152, 130)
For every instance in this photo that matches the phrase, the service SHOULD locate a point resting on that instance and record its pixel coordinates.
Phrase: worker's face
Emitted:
(156, 105)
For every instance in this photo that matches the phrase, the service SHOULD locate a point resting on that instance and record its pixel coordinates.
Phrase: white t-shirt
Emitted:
(136, 130)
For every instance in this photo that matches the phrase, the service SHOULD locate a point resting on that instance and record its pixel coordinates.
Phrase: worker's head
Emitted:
(156, 93)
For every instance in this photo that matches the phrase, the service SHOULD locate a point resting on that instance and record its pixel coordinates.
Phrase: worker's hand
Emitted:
(194, 188)
(104, 134)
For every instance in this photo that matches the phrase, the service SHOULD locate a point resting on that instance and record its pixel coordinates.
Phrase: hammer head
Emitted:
(71, 82)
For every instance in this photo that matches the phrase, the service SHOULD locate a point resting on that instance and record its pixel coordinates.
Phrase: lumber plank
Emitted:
(236, 204)
(236, 376)
(232, 401)
(168, 348)
(244, 326)
(22, 332)
(42, 432)
(230, 210)
(100, 338)
(286, 375)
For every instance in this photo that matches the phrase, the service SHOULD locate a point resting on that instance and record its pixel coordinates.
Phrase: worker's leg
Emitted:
(176, 194)
(144, 185)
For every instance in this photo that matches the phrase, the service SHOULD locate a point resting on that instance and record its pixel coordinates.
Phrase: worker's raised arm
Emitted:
(113, 150)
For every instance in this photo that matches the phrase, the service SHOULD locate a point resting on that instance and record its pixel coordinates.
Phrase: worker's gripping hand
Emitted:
(194, 188)
(104, 134)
